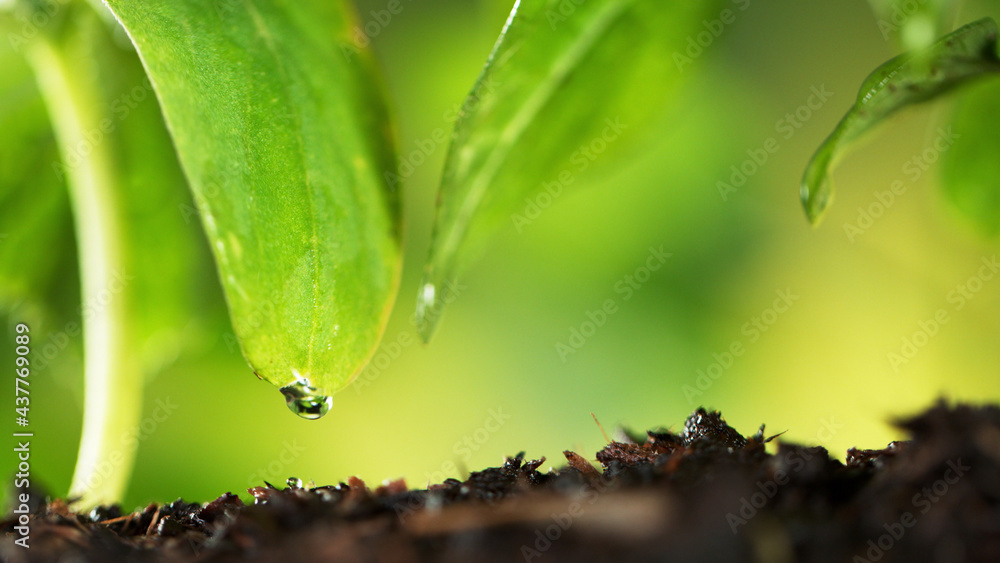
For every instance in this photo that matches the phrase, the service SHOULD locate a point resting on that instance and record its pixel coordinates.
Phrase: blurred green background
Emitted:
(492, 382)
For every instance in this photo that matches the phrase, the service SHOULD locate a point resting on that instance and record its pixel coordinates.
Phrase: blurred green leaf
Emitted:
(282, 134)
(37, 260)
(564, 82)
(175, 288)
(140, 264)
(968, 53)
(970, 170)
(165, 258)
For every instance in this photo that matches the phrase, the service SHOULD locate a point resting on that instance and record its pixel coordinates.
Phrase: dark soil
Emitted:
(705, 494)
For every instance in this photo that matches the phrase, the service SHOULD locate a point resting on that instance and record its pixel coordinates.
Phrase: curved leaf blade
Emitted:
(284, 139)
(558, 81)
(963, 55)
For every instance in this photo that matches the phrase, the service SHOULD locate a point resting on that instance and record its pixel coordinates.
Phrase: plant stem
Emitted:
(67, 78)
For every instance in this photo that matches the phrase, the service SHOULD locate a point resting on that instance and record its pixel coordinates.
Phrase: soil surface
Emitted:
(707, 493)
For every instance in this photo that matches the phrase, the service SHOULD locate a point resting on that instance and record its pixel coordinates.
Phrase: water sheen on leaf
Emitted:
(565, 82)
(965, 54)
(283, 137)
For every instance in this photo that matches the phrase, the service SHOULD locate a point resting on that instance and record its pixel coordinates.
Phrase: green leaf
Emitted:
(968, 53)
(36, 231)
(283, 137)
(164, 253)
(140, 264)
(970, 169)
(173, 286)
(564, 82)
(165, 256)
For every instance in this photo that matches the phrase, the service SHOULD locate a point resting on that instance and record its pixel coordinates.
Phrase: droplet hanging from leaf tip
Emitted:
(305, 400)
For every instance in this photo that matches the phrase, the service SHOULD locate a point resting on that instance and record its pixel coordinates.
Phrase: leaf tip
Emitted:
(816, 191)
(815, 209)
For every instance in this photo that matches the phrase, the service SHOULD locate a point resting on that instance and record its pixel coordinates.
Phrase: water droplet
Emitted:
(304, 400)
(429, 308)
(294, 483)
(427, 294)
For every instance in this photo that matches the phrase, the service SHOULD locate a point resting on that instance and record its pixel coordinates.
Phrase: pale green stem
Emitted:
(112, 378)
